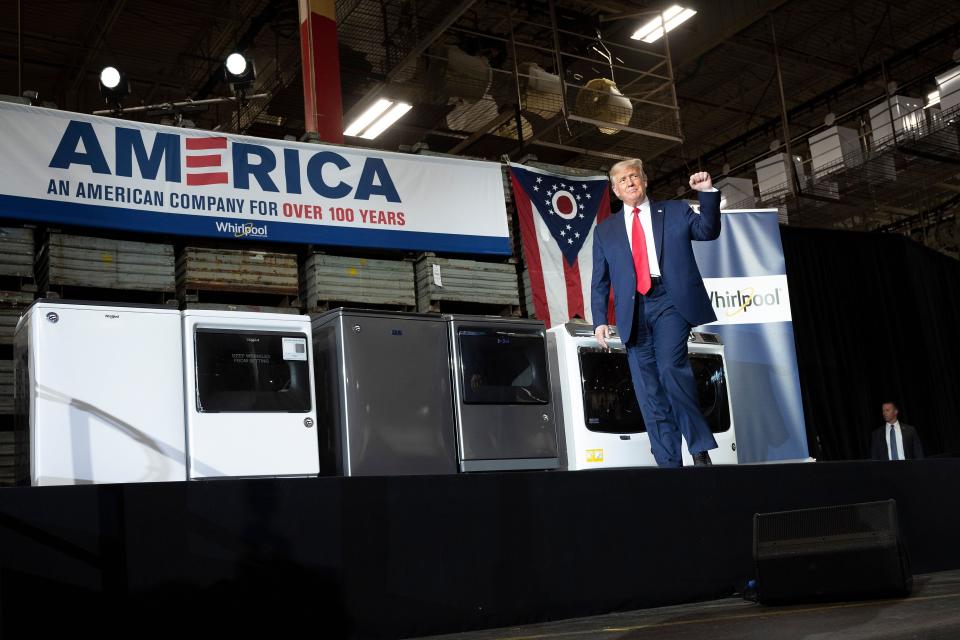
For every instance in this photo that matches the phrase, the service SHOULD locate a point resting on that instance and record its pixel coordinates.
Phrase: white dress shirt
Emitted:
(899, 438)
(647, 224)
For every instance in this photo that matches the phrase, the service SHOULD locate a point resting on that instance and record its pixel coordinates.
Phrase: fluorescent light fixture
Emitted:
(670, 19)
(932, 98)
(368, 116)
(395, 113)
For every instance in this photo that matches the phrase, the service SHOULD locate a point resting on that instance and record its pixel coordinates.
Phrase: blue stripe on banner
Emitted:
(725, 257)
(40, 210)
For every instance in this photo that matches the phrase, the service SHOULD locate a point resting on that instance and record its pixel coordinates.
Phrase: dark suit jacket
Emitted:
(675, 224)
(912, 449)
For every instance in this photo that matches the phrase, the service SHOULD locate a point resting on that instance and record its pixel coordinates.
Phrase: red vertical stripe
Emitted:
(531, 251)
(320, 57)
(326, 78)
(306, 58)
(571, 276)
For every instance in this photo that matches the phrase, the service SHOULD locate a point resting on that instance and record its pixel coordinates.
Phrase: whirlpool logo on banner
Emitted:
(750, 300)
(204, 164)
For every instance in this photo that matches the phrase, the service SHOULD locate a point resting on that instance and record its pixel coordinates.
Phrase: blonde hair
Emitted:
(634, 163)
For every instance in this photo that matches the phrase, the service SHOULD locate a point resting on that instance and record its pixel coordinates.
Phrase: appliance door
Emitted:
(711, 380)
(609, 401)
(252, 405)
(251, 371)
(398, 405)
(505, 410)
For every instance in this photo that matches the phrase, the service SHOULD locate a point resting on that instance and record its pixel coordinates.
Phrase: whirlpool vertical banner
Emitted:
(746, 277)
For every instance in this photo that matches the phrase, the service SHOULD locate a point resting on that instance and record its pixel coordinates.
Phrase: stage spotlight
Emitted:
(236, 64)
(114, 87)
(240, 74)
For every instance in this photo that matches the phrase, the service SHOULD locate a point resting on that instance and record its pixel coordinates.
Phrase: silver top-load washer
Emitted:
(502, 398)
(384, 399)
(601, 421)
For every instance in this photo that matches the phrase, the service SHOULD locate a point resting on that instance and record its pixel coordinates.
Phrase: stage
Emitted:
(930, 613)
(388, 557)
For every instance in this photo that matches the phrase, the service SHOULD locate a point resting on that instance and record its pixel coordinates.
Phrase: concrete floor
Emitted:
(933, 611)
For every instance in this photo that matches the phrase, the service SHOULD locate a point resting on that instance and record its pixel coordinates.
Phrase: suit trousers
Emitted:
(663, 379)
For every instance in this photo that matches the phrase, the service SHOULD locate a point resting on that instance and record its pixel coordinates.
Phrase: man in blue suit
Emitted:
(658, 295)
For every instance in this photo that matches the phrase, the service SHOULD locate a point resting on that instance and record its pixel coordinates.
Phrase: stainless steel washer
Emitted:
(384, 401)
(502, 399)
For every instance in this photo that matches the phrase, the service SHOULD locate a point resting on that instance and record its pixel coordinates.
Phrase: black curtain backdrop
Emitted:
(876, 317)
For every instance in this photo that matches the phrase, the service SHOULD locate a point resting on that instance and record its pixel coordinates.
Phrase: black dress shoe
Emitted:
(701, 459)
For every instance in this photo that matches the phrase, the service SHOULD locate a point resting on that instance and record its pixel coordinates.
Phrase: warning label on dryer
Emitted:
(294, 348)
(594, 455)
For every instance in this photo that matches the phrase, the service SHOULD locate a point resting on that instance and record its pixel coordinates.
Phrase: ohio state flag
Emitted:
(557, 215)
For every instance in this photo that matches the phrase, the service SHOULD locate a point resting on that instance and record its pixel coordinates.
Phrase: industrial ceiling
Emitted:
(713, 95)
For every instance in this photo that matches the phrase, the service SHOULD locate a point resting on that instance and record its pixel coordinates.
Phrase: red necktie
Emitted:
(640, 254)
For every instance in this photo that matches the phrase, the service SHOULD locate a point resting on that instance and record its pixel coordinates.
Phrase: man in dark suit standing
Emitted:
(645, 253)
(895, 440)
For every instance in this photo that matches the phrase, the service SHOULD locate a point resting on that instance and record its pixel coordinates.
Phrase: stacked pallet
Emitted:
(12, 306)
(6, 387)
(330, 281)
(17, 288)
(8, 464)
(528, 295)
(17, 284)
(70, 266)
(16, 255)
(244, 276)
(466, 286)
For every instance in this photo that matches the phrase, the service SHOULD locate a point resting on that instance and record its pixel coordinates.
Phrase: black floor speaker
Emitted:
(844, 552)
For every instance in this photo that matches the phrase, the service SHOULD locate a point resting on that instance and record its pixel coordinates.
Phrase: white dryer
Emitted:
(250, 408)
(602, 423)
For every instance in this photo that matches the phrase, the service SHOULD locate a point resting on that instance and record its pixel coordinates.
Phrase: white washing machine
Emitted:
(602, 423)
(99, 393)
(250, 407)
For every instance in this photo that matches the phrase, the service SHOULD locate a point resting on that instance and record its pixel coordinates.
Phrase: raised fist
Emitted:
(701, 181)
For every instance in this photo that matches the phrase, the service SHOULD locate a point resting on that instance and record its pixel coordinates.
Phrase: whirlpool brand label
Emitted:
(750, 300)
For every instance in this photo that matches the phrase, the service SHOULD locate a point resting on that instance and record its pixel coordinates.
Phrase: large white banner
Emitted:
(70, 168)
